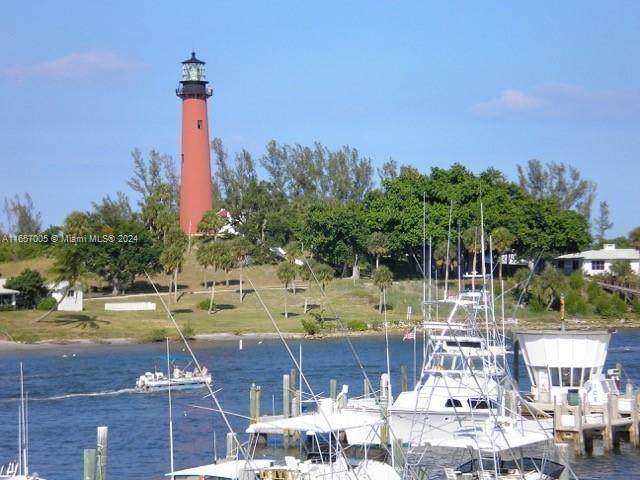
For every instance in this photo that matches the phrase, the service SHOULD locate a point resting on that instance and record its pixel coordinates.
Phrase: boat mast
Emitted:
(24, 465)
(170, 412)
(446, 262)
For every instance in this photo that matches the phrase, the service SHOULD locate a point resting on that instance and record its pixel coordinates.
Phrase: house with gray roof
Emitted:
(595, 262)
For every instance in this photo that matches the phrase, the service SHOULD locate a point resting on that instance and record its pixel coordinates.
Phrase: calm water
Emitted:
(71, 395)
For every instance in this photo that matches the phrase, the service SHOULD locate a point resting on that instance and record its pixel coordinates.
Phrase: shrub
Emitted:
(635, 307)
(204, 305)
(602, 306)
(311, 326)
(593, 292)
(375, 325)
(188, 331)
(574, 303)
(618, 307)
(536, 305)
(159, 335)
(47, 303)
(7, 308)
(576, 281)
(357, 326)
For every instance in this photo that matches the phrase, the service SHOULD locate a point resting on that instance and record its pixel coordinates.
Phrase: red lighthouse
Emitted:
(195, 165)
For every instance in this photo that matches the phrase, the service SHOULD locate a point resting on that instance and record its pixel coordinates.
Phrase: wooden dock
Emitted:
(614, 421)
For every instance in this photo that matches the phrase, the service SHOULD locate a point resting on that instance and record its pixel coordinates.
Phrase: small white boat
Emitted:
(180, 378)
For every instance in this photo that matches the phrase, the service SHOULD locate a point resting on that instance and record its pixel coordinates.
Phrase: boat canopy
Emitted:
(319, 423)
(227, 469)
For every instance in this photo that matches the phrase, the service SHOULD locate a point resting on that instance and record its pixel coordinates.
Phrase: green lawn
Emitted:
(344, 298)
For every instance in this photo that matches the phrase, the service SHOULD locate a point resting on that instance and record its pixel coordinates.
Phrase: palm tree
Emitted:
(210, 224)
(212, 255)
(378, 245)
(324, 273)
(172, 258)
(549, 285)
(292, 251)
(241, 248)
(226, 260)
(501, 241)
(383, 279)
(286, 275)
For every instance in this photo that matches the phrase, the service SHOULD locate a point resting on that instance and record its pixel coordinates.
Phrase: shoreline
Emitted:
(8, 345)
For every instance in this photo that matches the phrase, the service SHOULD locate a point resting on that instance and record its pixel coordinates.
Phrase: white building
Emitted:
(594, 262)
(7, 295)
(73, 297)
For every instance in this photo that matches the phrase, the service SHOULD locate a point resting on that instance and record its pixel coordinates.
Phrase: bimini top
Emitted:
(318, 423)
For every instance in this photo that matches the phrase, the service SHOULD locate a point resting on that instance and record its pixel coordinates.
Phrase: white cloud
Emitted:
(81, 65)
(558, 99)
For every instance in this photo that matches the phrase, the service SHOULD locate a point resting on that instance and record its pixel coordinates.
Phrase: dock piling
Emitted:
(232, 446)
(101, 453)
(333, 388)
(89, 464)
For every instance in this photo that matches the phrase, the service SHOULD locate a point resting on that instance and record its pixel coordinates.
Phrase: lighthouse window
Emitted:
(199, 124)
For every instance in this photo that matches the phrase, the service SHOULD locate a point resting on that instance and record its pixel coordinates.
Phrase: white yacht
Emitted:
(180, 378)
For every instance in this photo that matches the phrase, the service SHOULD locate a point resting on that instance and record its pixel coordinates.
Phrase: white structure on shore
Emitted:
(70, 299)
(7, 295)
(594, 262)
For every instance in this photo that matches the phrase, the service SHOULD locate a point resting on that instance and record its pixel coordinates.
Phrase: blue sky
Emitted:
(489, 83)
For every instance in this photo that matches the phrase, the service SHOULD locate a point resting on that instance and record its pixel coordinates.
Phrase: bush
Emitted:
(593, 292)
(357, 326)
(47, 303)
(635, 307)
(159, 335)
(204, 305)
(574, 304)
(376, 325)
(7, 308)
(30, 284)
(311, 326)
(188, 331)
(576, 281)
(536, 305)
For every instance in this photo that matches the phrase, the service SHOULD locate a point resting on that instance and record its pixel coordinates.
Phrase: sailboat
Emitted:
(20, 470)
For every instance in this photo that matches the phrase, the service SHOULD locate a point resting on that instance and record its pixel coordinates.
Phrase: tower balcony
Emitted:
(193, 90)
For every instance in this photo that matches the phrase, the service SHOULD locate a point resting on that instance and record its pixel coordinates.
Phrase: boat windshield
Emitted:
(455, 362)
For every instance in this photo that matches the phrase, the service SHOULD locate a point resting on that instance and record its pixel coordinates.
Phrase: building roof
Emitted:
(605, 254)
(6, 291)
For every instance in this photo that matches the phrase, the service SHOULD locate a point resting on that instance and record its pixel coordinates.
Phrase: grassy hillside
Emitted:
(344, 298)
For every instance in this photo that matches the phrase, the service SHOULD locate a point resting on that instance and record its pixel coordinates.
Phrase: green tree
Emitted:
(112, 212)
(622, 272)
(210, 224)
(227, 259)
(501, 241)
(383, 279)
(549, 285)
(286, 273)
(30, 284)
(377, 245)
(324, 273)
(603, 222)
(211, 254)
(558, 181)
(634, 237)
(292, 253)
(172, 257)
(240, 249)
(22, 217)
(129, 252)
(159, 213)
(149, 174)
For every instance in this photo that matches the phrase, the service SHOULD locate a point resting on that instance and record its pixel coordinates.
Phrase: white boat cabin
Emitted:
(565, 366)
